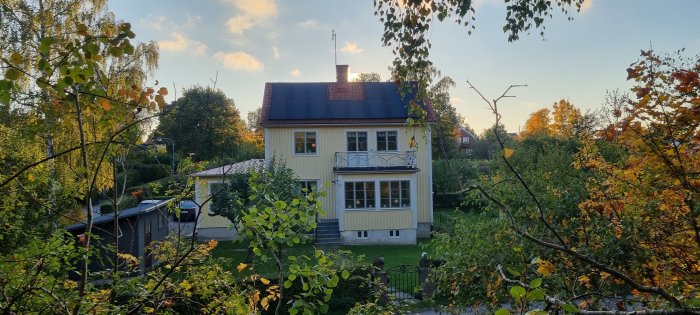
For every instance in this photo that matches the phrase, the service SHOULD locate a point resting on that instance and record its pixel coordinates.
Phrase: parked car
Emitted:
(188, 210)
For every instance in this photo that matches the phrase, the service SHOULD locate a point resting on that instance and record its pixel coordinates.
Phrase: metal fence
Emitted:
(403, 281)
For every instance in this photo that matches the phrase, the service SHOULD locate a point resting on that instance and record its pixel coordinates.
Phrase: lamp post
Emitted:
(172, 143)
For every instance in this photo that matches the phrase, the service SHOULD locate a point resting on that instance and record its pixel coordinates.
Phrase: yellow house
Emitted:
(206, 184)
(352, 135)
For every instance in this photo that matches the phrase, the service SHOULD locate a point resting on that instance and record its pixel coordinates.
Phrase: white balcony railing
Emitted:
(374, 160)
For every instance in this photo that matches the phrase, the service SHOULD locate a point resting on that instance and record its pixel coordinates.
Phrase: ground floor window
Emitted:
(308, 186)
(395, 194)
(389, 195)
(362, 234)
(359, 195)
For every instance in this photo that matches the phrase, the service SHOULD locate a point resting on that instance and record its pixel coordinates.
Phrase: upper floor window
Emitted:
(305, 142)
(357, 141)
(386, 141)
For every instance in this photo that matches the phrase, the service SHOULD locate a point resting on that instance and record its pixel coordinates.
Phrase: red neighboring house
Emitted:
(465, 141)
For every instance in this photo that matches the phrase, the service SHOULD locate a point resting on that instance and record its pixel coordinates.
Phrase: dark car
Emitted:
(188, 210)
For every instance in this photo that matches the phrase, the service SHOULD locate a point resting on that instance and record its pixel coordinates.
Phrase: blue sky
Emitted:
(250, 42)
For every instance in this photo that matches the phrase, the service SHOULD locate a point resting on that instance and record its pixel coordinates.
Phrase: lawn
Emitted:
(232, 253)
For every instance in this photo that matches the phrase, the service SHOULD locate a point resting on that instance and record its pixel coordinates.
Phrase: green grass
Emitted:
(231, 254)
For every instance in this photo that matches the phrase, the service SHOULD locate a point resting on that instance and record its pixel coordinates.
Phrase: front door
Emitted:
(357, 149)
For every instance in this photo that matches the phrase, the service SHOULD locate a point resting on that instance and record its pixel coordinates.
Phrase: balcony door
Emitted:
(357, 149)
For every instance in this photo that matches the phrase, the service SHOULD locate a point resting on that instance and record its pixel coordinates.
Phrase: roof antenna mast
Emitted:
(335, 47)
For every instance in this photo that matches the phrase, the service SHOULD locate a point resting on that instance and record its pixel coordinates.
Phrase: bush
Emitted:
(125, 203)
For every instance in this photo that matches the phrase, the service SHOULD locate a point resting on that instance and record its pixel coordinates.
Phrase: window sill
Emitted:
(379, 209)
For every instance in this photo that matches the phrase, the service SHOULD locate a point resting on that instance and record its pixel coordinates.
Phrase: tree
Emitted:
(538, 124)
(368, 77)
(35, 35)
(600, 219)
(253, 120)
(205, 122)
(566, 119)
(444, 134)
(407, 29)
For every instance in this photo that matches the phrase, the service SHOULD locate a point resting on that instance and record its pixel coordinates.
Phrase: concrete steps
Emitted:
(328, 233)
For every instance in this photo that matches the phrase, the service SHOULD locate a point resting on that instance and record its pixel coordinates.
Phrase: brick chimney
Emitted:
(341, 73)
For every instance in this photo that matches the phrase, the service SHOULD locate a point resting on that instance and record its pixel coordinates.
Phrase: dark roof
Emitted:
(335, 103)
(123, 214)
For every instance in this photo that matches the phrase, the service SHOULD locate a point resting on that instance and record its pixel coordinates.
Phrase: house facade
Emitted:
(207, 183)
(350, 139)
(465, 141)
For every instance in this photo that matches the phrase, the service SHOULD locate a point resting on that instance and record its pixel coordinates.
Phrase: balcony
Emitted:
(374, 161)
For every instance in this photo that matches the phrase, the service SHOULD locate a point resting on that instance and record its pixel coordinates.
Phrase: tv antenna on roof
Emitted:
(335, 47)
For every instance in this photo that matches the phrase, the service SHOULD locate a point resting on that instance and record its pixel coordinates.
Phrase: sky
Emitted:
(239, 45)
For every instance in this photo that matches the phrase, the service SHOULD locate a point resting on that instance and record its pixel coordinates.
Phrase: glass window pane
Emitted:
(298, 142)
(391, 141)
(370, 194)
(362, 141)
(349, 195)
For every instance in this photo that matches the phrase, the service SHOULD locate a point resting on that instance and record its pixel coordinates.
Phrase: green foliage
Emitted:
(234, 197)
(444, 133)
(124, 203)
(205, 122)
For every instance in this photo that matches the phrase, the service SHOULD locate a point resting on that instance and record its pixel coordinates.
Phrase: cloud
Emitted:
(456, 100)
(351, 48)
(239, 24)
(258, 8)
(192, 21)
(238, 60)
(275, 53)
(153, 22)
(251, 12)
(180, 42)
(308, 24)
(295, 73)
(586, 5)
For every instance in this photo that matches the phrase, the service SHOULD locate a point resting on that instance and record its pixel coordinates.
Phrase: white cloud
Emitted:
(238, 60)
(456, 100)
(251, 12)
(239, 24)
(586, 5)
(351, 48)
(180, 42)
(308, 24)
(192, 21)
(258, 8)
(295, 73)
(275, 52)
(153, 22)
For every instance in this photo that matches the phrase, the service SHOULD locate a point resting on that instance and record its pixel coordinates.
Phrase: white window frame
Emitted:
(376, 139)
(345, 201)
(362, 235)
(345, 136)
(394, 233)
(294, 143)
(314, 181)
(410, 201)
(377, 193)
